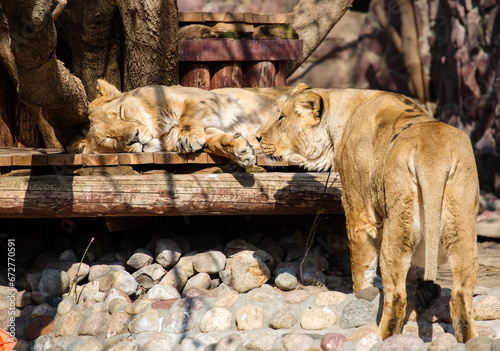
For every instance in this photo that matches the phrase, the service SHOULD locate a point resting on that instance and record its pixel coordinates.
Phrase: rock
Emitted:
(148, 321)
(200, 281)
(149, 275)
(117, 324)
(283, 317)
(216, 319)
(67, 324)
(317, 318)
(424, 331)
(138, 306)
(117, 305)
(23, 299)
(369, 342)
(76, 271)
(64, 307)
(98, 271)
(164, 304)
(39, 297)
(210, 262)
(273, 248)
(401, 342)
(297, 342)
(68, 256)
(190, 344)
(238, 245)
(191, 304)
(495, 345)
(167, 252)
(487, 309)
(175, 277)
(263, 294)
(248, 272)
(41, 326)
(125, 345)
(115, 293)
(479, 343)
(229, 343)
(33, 279)
(158, 342)
(368, 294)
(443, 342)
(94, 324)
(54, 282)
(296, 296)
(227, 298)
(42, 310)
(286, 281)
(249, 317)
(261, 341)
(162, 292)
(89, 345)
(357, 313)
(186, 264)
(330, 298)
(439, 311)
(140, 258)
(121, 280)
(178, 322)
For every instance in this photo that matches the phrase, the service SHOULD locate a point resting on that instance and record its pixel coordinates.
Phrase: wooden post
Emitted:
(195, 75)
(226, 74)
(280, 79)
(260, 74)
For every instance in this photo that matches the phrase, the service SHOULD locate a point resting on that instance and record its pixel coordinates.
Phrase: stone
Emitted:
(238, 245)
(158, 342)
(98, 271)
(487, 309)
(369, 342)
(263, 294)
(149, 275)
(495, 345)
(191, 304)
(283, 317)
(117, 324)
(317, 318)
(94, 324)
(115, 293)
(425, 331)
(39, 297)
(178, 322)
(33, 279)
(167, 252)
(286, 281)
(64, 307)
(41, 326)
(164, 304)
(261, 341)
(117, 305)
(162, 292)
(248, 272)
(148, 321)
(443, 342)
(125, 345)
(439, 311)
(138, 306)
(23, 299)
(67, 324)
(368, 294)
(249, 317)
(197, 292)
(42, 310)
(479, 343)
(89, 345)
(191, 344)
(216, 319)
(210, 262)
(228, 298)
(54, 282)
(140, 258)
(229, 343)
(200, 281)
(119, 280)
(76, 271)
(401, 342)
(186, 264)
(175, 277)
(326, 298)
(68, 256)
(296, 296)
(357, 313)
(296, 342)
(273, 248)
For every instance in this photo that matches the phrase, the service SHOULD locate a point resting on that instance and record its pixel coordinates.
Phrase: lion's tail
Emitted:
(432, 179)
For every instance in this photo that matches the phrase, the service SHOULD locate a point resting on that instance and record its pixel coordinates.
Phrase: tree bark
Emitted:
(313, 21)
(43, 80)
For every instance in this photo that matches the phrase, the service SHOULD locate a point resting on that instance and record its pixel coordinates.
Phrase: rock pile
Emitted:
(237, 296)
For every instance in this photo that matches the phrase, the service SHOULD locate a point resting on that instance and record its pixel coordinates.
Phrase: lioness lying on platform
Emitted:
(410, 188)
(155, 118)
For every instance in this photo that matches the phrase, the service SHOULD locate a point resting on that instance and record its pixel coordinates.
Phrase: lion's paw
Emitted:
(243, 151)
(190, 143)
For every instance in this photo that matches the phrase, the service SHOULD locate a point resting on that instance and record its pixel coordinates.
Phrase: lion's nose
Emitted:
(259, 138)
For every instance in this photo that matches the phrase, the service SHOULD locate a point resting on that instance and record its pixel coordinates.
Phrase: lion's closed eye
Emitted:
(135, 139)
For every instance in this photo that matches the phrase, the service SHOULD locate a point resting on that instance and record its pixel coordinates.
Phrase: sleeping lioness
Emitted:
(160, 118)
(410, 188)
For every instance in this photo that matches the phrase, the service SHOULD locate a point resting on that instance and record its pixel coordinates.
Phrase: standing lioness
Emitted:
(410, 186)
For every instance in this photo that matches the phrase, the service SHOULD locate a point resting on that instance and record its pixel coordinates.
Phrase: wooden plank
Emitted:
(207, 50)
(136, 159)
(260, 74)
(5, 160)
(100, 160)
(195, 75)
(169, 158)
(280, 79)
(268, 18)
(166, 194)
(226, 74)
(247, 17)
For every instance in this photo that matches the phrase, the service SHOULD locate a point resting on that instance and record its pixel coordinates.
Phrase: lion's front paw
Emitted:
(243, 151)
(190, 143)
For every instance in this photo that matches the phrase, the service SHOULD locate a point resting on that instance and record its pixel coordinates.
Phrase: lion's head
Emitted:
(118, 123)
(297, 133)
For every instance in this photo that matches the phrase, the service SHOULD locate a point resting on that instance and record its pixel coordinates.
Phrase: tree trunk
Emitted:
(43, 80)
(313, 21)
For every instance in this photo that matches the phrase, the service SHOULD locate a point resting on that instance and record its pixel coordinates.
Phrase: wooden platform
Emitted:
(38, 183)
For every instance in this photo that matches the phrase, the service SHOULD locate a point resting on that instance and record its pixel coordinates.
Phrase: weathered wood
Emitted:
(207, 50)
(167, 195)
(6, 93)
(195, 75)
(281, 74)
(226, 74)
(260, 74)
(229, 17)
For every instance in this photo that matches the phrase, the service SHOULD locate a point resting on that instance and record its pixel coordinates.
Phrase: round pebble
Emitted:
(249, 317)
(317, 318)
(210, 262)
(215, 319)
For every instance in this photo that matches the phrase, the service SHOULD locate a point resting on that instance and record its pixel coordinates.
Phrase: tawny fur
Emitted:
(410, 185)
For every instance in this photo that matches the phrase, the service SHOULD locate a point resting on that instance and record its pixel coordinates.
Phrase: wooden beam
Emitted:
(167, 195)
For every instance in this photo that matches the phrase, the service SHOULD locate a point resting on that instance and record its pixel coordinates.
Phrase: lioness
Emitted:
(410, 186)
(155, 118)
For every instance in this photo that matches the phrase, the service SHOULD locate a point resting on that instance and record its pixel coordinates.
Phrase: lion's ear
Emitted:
(310, 104)
(300, 87)
(105, 89)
